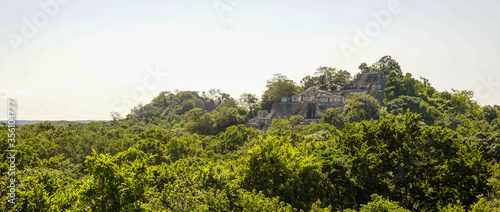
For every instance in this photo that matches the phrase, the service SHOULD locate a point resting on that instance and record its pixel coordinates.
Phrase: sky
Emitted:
(81, 60)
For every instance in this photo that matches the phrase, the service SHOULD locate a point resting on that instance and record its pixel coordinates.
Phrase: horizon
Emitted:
(70, 60)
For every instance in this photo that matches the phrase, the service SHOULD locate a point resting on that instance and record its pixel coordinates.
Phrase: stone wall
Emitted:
(308, 110)
(289, 109)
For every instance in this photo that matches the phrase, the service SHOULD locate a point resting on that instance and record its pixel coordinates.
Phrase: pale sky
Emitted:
(80, 60)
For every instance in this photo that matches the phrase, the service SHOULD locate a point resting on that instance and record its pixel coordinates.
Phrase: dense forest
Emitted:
(419, 150)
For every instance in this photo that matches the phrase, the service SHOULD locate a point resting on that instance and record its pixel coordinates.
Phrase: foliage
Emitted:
(249, 102)
(326, 78)
(385, 64)
(279, 170)
(410, 164)
(489, 144)
(361, 107)
(399, 85)
(225, 115)
(165, 105)
(491, 112)
(414, 104)
(118, 183)
(277, 87)
(380, 204)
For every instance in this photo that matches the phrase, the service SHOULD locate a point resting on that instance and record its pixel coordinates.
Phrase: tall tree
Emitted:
(249, 102)
(399, 85)
(278, 87)
(415, 104)
(361, 107)
(422, 168)
(215, 95)
(326, 78)
(385, 64)
(118, 183)
(491, 112)
(276, 168)
(334, 117)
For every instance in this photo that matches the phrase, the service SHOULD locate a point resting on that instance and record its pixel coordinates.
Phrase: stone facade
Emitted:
(372, 83)
(311, 103)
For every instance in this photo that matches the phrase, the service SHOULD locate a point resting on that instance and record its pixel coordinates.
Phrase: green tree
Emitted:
(326, 78)
(399, 85)
(253, 201)
(489, 143)
(41, 186)
(401, 104)
(249, 101)
(154, 142)
(193, 184)
(422, 168)
(337, 165)
(379, 204)
(234, 137)
(462, 102)
(361, 107)
(204, 125)
(225, 115)
(334, 117)
(491, 112)
(277, 87)
(166, 104)
(279, 170)
(215, 95)
(119, 183)
(228, 114)
(385, 64)
(194, 114)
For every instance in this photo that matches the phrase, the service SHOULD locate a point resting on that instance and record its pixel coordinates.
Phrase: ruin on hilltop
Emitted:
(311, 103)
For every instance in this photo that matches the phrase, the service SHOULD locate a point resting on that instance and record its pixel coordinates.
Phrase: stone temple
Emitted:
(311, 103)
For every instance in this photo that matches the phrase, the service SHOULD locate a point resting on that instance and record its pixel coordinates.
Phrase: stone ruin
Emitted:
(311, 103)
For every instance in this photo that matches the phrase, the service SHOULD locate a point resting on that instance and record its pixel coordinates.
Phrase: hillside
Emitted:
(403, 146)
